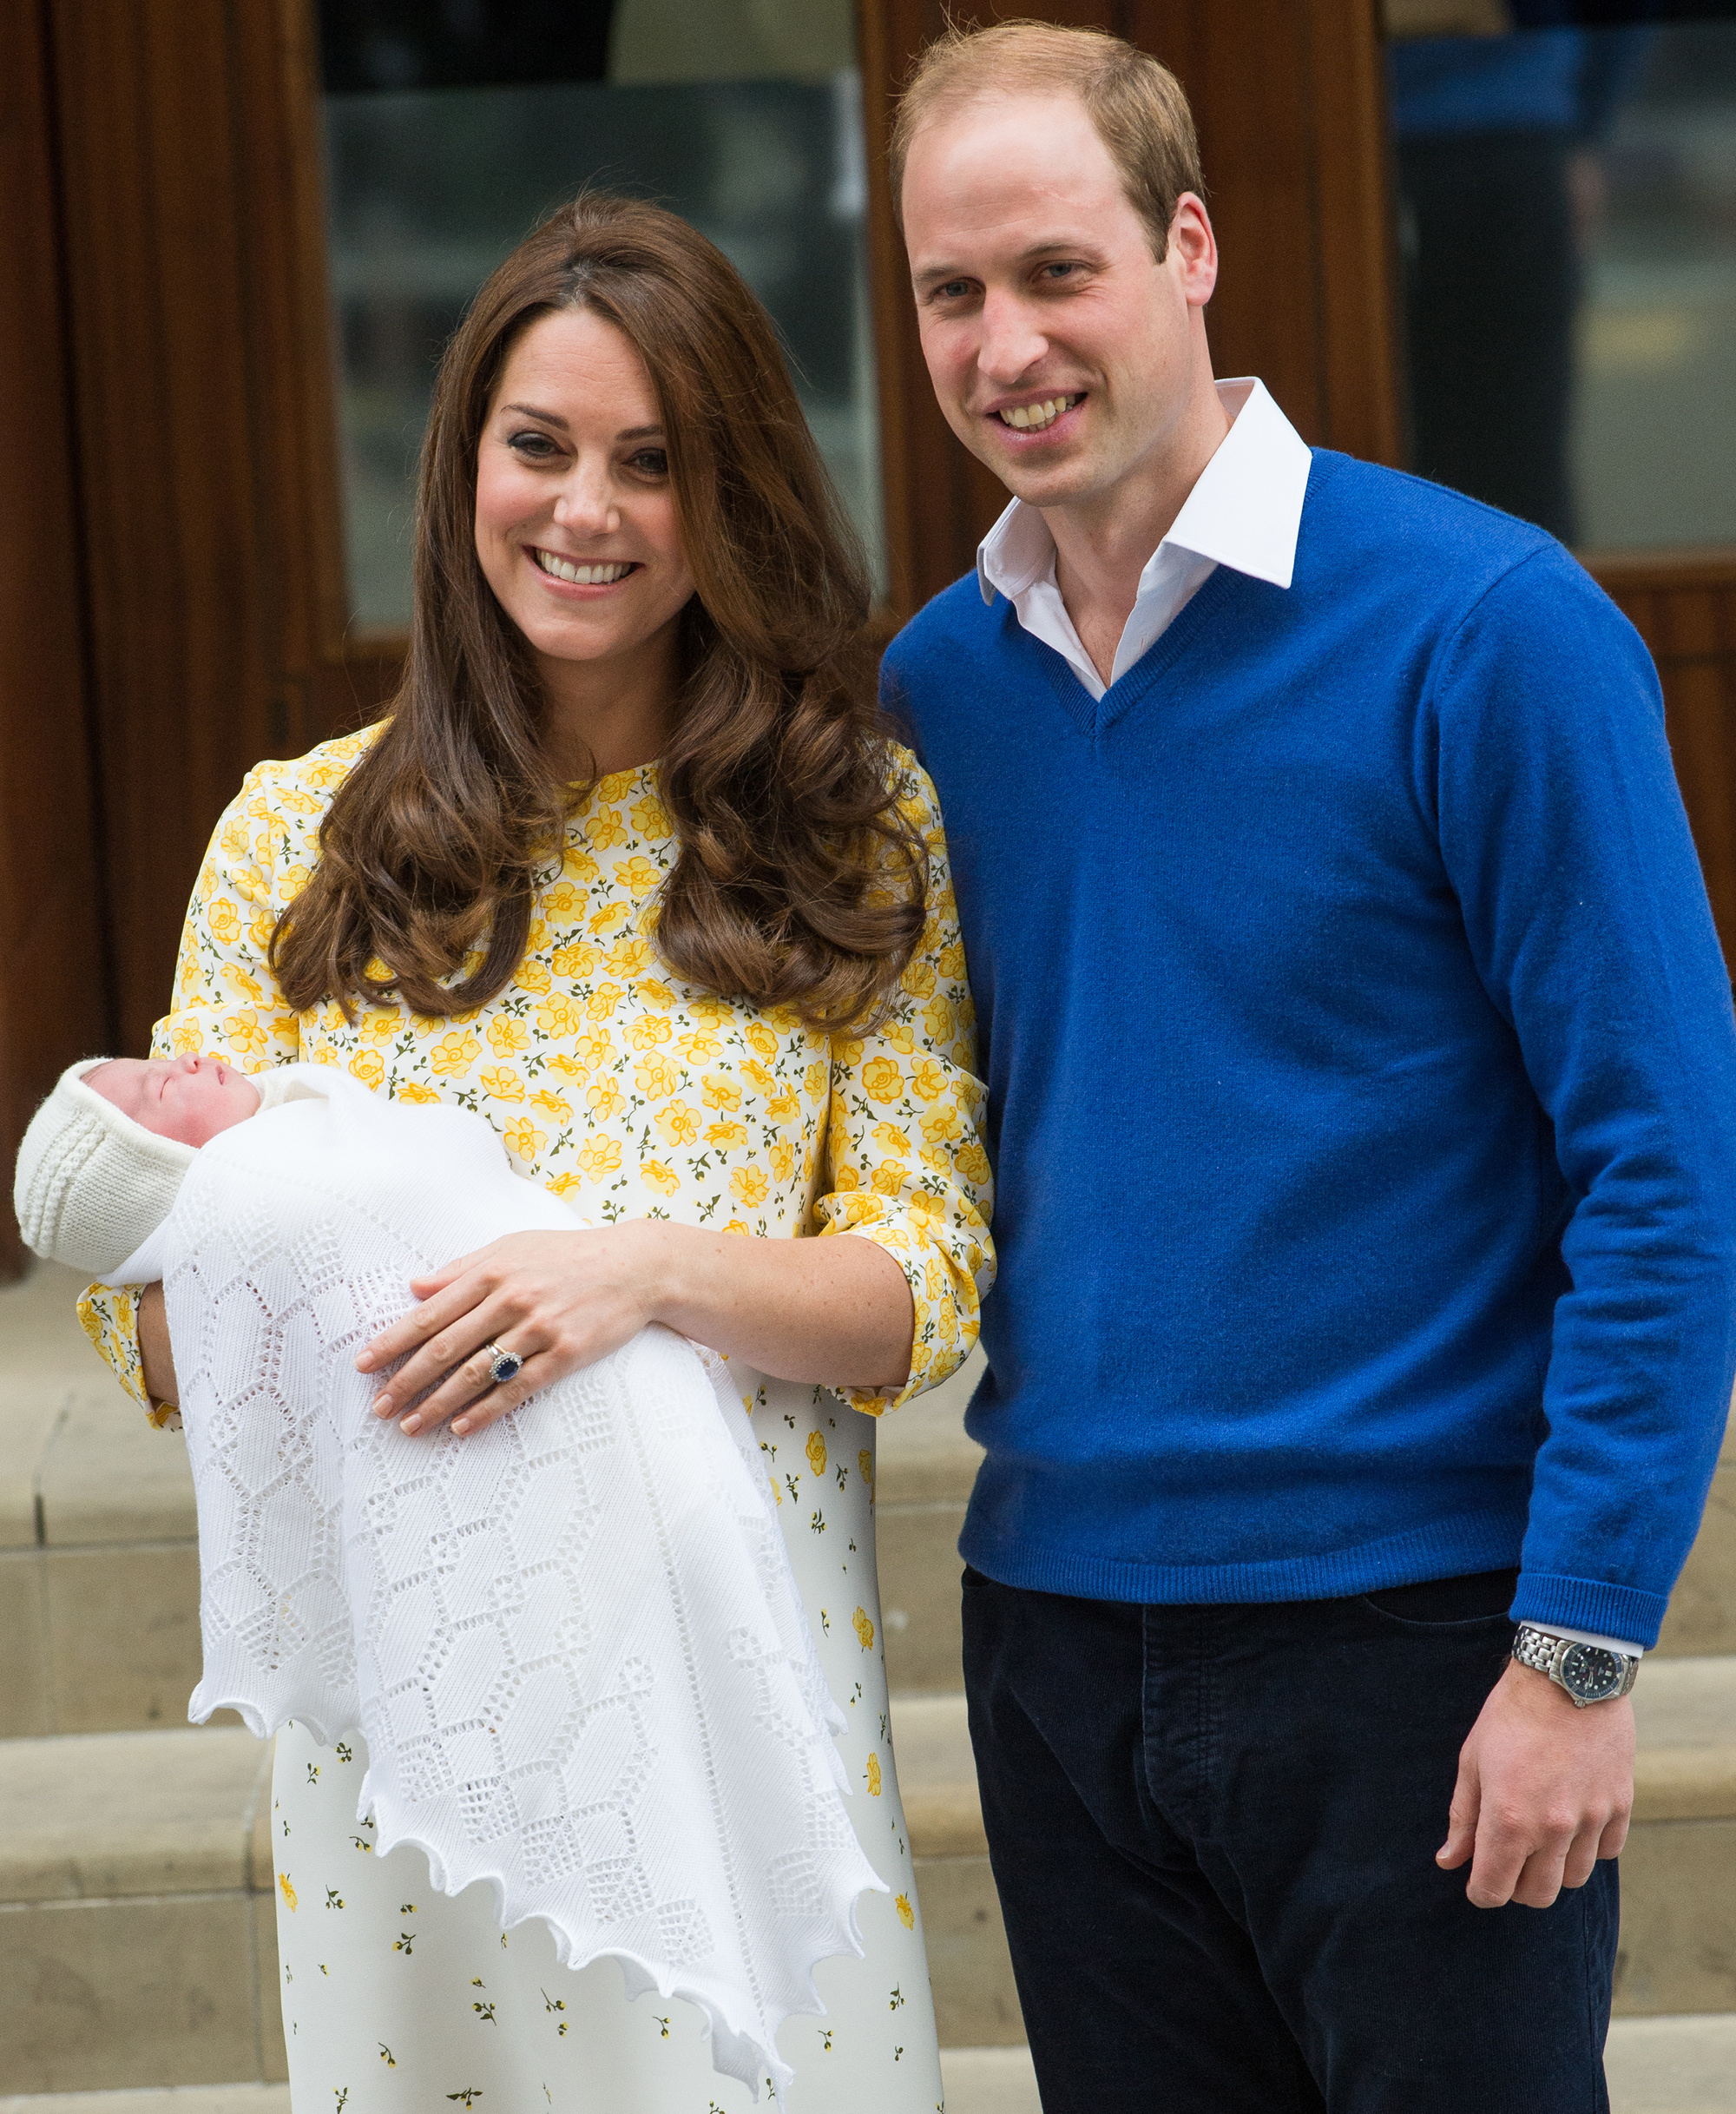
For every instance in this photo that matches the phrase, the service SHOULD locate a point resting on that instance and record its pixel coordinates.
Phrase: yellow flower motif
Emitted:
(603, 1000)
(536, 938)
(865, 1461)
(259, 931)
(562, 1064)
(847, 1177)
(678, 1124)
(592, 1049)
(368, 1066)
(628, 956)
(783, 1159)
(604, 1099)
(972, 1162)
(186, 1034)
(887, 1180)
(819, 1078)
(455, 1052)
(600, 1156)
(907, 1915)
(562, 901)
(639, 874)
(784, 1110)
(749, 1185)
(772, 1480)
(872, 1775)
(507, 1035)
(647, 1032)
(901, 1035)
(615, 785)
(534, 977)
(721, 1091)
(561, 1183)
(815, 1449)
(553, 1107)
(295, 878)
(882, 1080)
(940, 1017)
(500, 1082)
(761, 1038)
(661, 1177)
(609, 918)
(920, 979)
(655, 1076)
(559, 1014)
(325, 1054)
(847, 1051)
(712, 1011)
(578, 960)
(413, 1090)
(725, 1137)
(698, 1047)
(654, 993)
(525, 1138)
(580, 864)
(928, 1078)
(648, 818)
(226, 922)
(244, 1034)
(942, 1122)
(759, 1075)
(379, 1026)
(864, 1629)
(893, 1139)
(289, 1895)
(736, 1226)
(603, 830)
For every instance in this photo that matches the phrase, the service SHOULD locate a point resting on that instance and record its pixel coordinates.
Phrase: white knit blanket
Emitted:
(572, 1641)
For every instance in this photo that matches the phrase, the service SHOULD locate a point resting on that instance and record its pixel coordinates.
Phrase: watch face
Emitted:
(1591, 1673)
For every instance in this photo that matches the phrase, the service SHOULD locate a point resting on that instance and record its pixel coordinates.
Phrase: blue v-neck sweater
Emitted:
(1362, 1080)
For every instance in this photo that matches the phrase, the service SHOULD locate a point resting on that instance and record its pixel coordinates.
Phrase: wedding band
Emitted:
(502, 1365)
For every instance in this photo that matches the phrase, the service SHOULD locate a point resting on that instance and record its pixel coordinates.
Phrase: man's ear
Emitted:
(1193, 249)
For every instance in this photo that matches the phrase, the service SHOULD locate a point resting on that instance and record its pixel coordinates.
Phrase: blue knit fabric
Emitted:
(1362, 1077)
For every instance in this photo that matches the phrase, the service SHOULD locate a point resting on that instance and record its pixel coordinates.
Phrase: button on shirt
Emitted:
(1244, 511)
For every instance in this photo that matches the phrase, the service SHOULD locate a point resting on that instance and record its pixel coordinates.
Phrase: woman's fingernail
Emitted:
(363, 1360)
(381, 1405)
(462, 1425)
(412, 1424)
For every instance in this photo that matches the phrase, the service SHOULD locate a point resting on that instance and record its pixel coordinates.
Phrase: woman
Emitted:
(629, 870)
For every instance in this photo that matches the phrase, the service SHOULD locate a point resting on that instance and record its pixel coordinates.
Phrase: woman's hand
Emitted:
(835, 1311)
(156, 1353)
(559, 1300)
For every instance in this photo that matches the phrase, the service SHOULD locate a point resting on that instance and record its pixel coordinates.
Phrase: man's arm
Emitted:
(1564, 838)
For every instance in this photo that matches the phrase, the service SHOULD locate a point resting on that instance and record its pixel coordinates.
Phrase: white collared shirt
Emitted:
(1245, 512)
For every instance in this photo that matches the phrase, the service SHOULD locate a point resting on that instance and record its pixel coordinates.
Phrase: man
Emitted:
(1362, 1074)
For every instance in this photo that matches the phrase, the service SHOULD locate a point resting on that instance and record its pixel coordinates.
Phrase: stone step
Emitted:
(1683, 2066)
(1677, 1949)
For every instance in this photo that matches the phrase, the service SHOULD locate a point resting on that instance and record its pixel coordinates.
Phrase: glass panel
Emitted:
(452, 128)
(1566, 227)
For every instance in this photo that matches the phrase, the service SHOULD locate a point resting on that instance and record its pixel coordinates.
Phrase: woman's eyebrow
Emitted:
(640, 432)
(549, 417)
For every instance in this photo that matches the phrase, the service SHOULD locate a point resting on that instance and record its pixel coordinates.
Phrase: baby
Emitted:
(573, 1630)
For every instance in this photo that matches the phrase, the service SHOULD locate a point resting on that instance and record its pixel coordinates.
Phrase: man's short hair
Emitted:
(1136, 105)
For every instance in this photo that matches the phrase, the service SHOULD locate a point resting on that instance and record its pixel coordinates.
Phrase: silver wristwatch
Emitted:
(1588, 1672)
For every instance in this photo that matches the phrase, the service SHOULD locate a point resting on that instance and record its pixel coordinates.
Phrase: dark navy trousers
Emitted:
(1213, 1832)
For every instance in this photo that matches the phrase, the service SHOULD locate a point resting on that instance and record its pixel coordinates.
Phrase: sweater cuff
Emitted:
(1546, 1598)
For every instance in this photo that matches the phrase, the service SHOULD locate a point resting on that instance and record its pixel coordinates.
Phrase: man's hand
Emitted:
(1544, 1791)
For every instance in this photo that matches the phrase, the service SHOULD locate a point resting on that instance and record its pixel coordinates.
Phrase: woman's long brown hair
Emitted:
(797, 883)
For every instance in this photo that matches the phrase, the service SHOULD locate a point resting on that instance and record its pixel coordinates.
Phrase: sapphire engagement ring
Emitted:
(502, 1365)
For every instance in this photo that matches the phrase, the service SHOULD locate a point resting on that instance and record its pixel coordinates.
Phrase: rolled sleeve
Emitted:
(906, 1165)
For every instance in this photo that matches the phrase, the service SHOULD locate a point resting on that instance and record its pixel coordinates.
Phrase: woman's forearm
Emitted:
(837, 1311)
(154, 1351)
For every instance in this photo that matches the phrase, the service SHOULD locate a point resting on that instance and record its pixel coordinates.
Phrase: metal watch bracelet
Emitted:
(1587, 1673)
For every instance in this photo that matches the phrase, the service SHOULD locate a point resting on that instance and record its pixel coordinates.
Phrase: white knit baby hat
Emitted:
(91, 1183)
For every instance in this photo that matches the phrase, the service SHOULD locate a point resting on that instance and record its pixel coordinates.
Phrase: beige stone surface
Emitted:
(123, 1635)
(920, 1572)
(979, 2081)
(1702, 1610)
(24, 1647)
(923, 1454)
(1678, 1943)
(107, 1475)
(976, 2003)
(938, 1775)
(274, 2057)
(129, 1813)
(1671, 2065)
(154, 1990)
(166, 2099)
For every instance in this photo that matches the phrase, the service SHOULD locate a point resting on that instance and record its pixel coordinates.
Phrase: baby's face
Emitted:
(187, 1098)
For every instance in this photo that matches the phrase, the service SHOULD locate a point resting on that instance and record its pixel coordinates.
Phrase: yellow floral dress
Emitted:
(634, 1094)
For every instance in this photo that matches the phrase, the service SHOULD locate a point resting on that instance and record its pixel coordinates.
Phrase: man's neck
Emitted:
(1103, 543)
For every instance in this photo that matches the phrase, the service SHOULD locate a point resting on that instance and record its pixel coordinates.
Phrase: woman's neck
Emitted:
(613, 714)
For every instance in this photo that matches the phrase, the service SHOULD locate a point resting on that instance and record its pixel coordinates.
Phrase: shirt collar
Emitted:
(1245, 511)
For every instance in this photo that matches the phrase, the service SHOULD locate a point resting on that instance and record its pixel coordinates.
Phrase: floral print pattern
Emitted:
(604, 1072)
